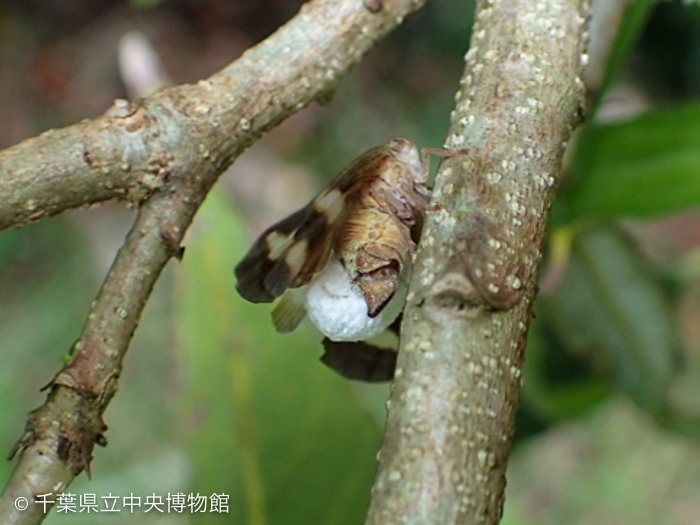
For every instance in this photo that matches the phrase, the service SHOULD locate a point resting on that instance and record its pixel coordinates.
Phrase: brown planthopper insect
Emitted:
(345, 258)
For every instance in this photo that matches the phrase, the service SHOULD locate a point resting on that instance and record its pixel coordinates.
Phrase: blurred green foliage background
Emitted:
(213, 400)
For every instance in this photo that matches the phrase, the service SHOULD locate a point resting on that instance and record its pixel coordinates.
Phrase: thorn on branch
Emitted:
(172, 243)
(87, 158)
(22, 443)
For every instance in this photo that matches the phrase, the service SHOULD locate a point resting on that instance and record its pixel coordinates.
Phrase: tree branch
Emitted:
(165, 153)
(454, 398)
(132, 149)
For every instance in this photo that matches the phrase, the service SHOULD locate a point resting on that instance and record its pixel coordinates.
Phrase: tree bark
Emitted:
(452, 408)
(163, 154)
(134, 149)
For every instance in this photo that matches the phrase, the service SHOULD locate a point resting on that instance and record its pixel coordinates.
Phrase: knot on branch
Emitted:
(71, 439)
(373, 6)
(452, 297)
(90, 373)
(484, 272)
(132, 139)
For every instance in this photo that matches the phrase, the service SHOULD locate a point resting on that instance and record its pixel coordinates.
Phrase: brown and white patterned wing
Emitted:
(291, 252)
(286, 255)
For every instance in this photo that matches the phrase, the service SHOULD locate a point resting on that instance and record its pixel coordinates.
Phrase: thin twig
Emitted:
(165, 153)
(453, 403)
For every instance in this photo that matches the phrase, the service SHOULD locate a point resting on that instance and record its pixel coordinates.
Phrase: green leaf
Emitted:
(267, 423)
(646, 167)
(612, 308)
(549, 388)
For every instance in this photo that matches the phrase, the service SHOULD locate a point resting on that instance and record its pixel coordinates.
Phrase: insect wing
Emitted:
(371, 361)
(286, 255)
(291, 252)
(359, 360)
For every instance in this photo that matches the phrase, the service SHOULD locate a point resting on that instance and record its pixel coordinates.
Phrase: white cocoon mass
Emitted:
(339, 311)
